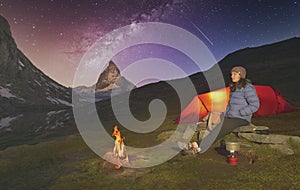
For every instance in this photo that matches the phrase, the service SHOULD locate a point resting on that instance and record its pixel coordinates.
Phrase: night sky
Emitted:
(55, 34)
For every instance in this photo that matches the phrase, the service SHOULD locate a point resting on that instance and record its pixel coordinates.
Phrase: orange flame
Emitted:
(119, 148)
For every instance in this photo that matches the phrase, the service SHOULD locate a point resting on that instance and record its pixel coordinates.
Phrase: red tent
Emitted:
(271, 102)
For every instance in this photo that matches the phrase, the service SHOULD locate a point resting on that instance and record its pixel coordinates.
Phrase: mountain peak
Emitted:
(111, 78)
(108, 77)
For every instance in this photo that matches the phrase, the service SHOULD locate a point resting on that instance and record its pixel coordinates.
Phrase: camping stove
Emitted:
(233, 147)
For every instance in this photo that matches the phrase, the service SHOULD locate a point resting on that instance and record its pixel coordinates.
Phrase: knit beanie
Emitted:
(240, 70)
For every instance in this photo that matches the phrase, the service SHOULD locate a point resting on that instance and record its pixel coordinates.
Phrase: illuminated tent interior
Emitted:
(271, 102)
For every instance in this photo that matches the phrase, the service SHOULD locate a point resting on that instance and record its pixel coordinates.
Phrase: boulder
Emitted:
(279, 142)
(251, 129)
(269, 139)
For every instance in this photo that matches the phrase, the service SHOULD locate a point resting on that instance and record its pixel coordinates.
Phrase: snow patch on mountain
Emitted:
(21, 63)
(51, 113)
(58, 101)
(37, 83)
(5, 92)
(54, 119)
(5, 122)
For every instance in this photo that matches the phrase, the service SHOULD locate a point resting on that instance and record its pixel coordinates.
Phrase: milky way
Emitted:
(54, 34)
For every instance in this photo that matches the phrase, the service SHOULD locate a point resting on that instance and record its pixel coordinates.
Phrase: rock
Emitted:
(280, 142)
(268, 139)
(251, 129)
(201, 125)
(112, 160)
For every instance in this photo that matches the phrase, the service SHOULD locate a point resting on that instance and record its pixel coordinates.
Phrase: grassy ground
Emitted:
(67, 163)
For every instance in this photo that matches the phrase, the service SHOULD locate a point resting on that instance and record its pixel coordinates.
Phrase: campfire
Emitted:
(119, 150)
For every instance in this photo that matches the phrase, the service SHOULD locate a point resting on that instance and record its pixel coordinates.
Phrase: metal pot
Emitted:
(232, 145)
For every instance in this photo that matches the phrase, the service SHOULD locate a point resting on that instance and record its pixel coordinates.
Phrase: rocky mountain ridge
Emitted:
(22, 84)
